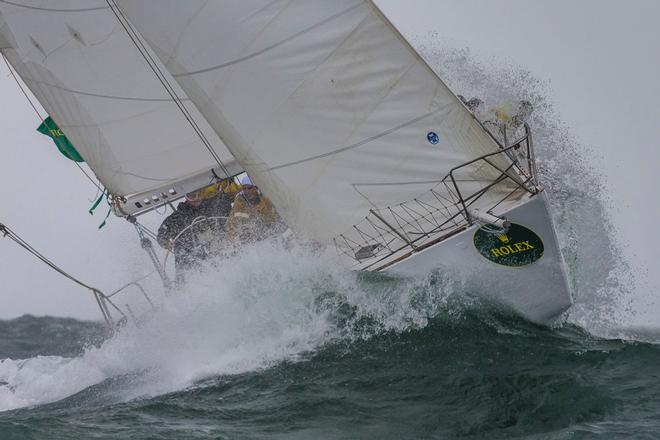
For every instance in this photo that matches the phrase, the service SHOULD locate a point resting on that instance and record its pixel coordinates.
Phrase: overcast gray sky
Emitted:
(599, 57)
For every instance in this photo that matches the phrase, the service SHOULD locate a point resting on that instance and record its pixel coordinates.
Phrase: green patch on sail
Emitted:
(50, 128)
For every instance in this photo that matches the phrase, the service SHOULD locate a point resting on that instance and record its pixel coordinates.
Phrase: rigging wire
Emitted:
(20, 86)
(101, 298)
(153, 65)
(146, 230)
(148, 247)
(43, 121)
(98, 186)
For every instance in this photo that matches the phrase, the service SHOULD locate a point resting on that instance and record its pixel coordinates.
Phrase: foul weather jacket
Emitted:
(249, 222)
(190, 246)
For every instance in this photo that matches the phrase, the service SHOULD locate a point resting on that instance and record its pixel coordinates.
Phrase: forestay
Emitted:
(78, 60)
(323, 102)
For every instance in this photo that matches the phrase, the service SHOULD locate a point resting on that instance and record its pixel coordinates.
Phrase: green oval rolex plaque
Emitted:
(516, 246)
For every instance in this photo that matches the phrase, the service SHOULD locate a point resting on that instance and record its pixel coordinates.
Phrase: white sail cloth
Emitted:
(80, 63)
(323, 102)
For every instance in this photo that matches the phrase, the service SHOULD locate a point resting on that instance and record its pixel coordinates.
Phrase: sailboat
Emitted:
(358, 143)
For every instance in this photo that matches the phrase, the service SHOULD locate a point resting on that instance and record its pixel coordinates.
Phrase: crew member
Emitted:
(208, 209)
(253, 217)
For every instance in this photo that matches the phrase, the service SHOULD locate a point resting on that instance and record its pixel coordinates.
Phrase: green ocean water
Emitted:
(476, 373)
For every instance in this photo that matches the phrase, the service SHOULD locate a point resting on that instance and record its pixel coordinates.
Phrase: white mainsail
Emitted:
(81, 65)
(324, 104)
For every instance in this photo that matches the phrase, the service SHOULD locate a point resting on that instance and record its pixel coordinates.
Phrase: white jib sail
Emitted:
(323, 102)
(80, 63)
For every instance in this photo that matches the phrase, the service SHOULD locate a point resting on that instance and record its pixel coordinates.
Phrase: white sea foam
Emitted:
(261, 307)
(248, 312)
(44, 379)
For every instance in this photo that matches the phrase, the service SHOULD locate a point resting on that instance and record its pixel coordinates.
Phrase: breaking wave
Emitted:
(241, 314)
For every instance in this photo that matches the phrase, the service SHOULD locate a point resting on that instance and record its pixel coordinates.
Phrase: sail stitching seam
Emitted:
(19, 5)
(355, 145)
(268, 48)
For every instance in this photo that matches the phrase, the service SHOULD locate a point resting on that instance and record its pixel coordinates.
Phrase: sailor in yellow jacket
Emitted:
(252, 217)
(230, 187)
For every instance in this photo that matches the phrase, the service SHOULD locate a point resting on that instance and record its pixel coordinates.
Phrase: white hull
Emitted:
(538, 291)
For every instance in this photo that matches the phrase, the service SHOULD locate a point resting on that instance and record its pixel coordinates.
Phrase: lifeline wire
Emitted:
(101, 298)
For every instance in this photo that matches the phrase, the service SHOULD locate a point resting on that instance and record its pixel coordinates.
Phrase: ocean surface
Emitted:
(475, 373)
(276, 344)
